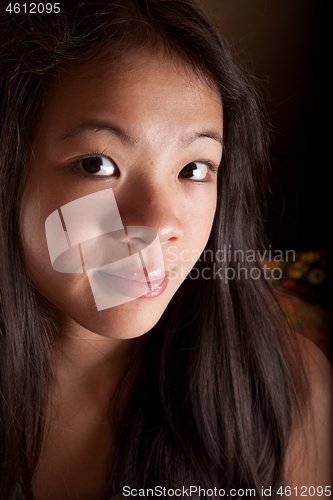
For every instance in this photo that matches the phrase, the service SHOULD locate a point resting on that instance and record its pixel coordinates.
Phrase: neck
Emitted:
(89, 367)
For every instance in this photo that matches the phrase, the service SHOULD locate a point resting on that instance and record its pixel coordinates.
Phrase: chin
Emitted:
(126, 321)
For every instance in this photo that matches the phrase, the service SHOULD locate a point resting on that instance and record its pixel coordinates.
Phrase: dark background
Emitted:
(282, 43)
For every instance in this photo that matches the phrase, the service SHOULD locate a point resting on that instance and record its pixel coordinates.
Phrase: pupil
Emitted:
(188, 170)
(92, 165)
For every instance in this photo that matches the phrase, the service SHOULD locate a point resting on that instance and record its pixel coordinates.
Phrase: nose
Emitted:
(143, 202)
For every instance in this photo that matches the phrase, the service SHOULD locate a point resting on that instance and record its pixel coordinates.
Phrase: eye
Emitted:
(98, 165)
(195, 171)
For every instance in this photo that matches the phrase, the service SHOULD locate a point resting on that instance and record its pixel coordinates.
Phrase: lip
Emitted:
(156, 288)
(137, 288)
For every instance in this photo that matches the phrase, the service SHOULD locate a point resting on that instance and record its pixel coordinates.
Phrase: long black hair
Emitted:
(214, 398)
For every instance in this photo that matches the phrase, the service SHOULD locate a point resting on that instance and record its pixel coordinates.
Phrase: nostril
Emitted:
(139, 237)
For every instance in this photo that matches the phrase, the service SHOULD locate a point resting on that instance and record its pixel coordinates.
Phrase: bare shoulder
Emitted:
(309, 455)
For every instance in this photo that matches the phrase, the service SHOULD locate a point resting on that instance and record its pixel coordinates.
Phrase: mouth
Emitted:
(136, 285)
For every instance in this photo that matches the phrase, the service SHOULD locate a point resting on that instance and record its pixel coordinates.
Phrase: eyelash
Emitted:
(212, 167)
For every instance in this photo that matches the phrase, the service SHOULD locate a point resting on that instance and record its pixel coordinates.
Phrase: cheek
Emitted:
(70, 293)
(34, 211)
(199, 222)
(43, 276)
(32, 231)
(181, 259)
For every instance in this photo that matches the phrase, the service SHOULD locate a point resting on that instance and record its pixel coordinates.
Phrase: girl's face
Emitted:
(150, 130)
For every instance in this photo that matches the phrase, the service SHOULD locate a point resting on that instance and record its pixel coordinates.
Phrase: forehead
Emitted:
(141, 88)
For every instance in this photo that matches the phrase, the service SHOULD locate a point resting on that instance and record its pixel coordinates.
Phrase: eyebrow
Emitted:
(98, 126)
(210, 134)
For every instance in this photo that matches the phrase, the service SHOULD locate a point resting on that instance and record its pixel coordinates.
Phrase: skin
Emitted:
(309, 461)
(169, 118)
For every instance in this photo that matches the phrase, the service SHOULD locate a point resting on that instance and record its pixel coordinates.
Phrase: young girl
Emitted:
(179, 377)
